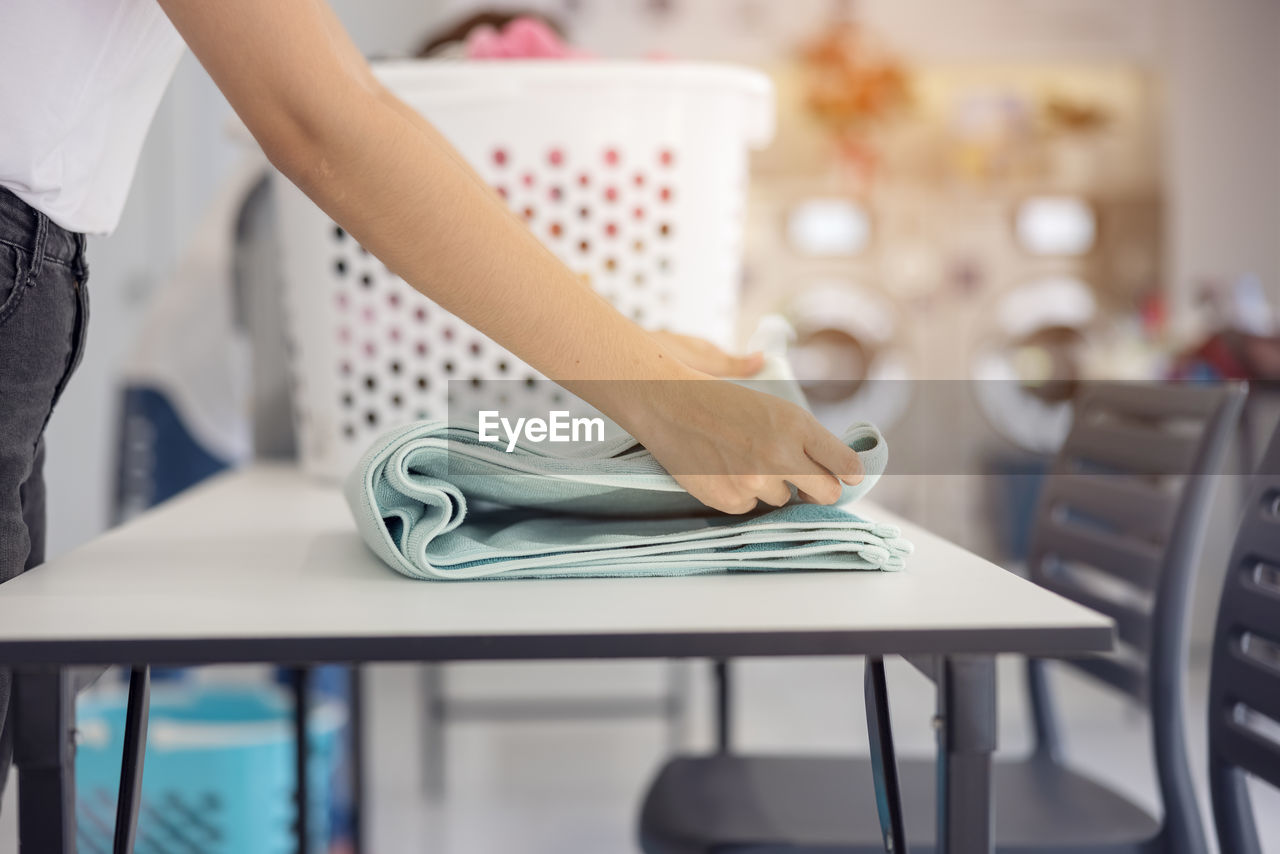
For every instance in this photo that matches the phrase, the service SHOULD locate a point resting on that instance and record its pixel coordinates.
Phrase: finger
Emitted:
(819, 488)
(776, 493)
(834, 456)
(715, 492)
(815, 484)
(742, 366)
(737, 506)
(713, 360)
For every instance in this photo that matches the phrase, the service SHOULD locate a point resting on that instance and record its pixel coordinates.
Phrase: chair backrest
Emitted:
(1118, 529)
(1244, 685)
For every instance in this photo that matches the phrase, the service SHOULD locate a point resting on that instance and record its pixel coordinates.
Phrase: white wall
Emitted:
(937, 30)
(1223, 150)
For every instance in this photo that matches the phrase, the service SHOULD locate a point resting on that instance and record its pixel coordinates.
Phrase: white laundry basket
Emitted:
(633, 173)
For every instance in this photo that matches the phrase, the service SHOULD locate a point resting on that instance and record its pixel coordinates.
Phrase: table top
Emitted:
(265, 564)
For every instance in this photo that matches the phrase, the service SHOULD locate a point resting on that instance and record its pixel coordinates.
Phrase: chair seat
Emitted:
(802, 805)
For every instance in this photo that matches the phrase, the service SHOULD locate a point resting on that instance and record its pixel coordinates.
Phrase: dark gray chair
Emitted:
(1244, 685)
(1117, 529)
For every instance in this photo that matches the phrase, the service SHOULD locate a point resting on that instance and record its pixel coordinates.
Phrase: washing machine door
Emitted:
(849, 354)
(1029, 361)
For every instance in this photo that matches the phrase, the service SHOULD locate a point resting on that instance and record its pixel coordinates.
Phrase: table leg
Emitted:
(300, 679)
(356, 724)
(44, 719)
(966, 726)
(131, 764)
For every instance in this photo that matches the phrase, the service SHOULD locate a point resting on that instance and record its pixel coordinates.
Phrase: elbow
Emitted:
(307, 138)
(299, 155)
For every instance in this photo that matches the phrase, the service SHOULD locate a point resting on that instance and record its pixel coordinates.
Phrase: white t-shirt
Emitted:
(80, 81)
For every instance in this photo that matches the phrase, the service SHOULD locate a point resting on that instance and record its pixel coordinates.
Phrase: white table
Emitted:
(264, 565)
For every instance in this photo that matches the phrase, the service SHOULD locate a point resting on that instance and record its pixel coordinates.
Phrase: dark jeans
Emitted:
(44, 309)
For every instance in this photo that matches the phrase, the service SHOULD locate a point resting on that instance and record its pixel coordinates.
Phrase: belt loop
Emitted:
(82, 260)
(37, 247)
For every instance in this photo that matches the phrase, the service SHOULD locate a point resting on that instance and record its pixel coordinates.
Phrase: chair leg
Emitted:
(433, 759)
(884, 763)
(676, 704)
(131, 764)
(1044, 719)
(300, 679)
(1232, 812)
(355, 699)
(724, 703)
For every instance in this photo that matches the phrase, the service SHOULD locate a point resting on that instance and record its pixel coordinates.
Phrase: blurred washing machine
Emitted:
(985, 306)
(1030, 349)
(932, 313)
(847, 349)
(809, 261)
(1030, 359)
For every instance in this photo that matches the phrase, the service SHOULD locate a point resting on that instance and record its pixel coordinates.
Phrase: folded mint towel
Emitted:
(434, 502)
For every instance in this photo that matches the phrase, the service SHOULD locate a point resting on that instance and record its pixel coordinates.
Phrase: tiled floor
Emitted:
(570, 787)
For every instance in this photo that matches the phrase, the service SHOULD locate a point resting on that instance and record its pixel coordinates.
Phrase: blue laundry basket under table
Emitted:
(219, 773)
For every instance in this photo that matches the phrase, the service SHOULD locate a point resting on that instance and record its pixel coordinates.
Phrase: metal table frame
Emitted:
(45, 722)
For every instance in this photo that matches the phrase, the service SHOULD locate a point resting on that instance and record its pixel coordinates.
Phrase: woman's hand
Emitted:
(707, 358)
(732, 447)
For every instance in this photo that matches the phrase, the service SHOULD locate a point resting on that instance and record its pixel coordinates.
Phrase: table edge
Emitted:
(1039, 641)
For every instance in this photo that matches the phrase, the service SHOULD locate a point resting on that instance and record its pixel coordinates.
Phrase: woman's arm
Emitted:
(400, 189)
(694, 352)
(389, 178)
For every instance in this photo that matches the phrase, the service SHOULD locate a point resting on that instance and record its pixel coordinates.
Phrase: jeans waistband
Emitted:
(44, 240)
